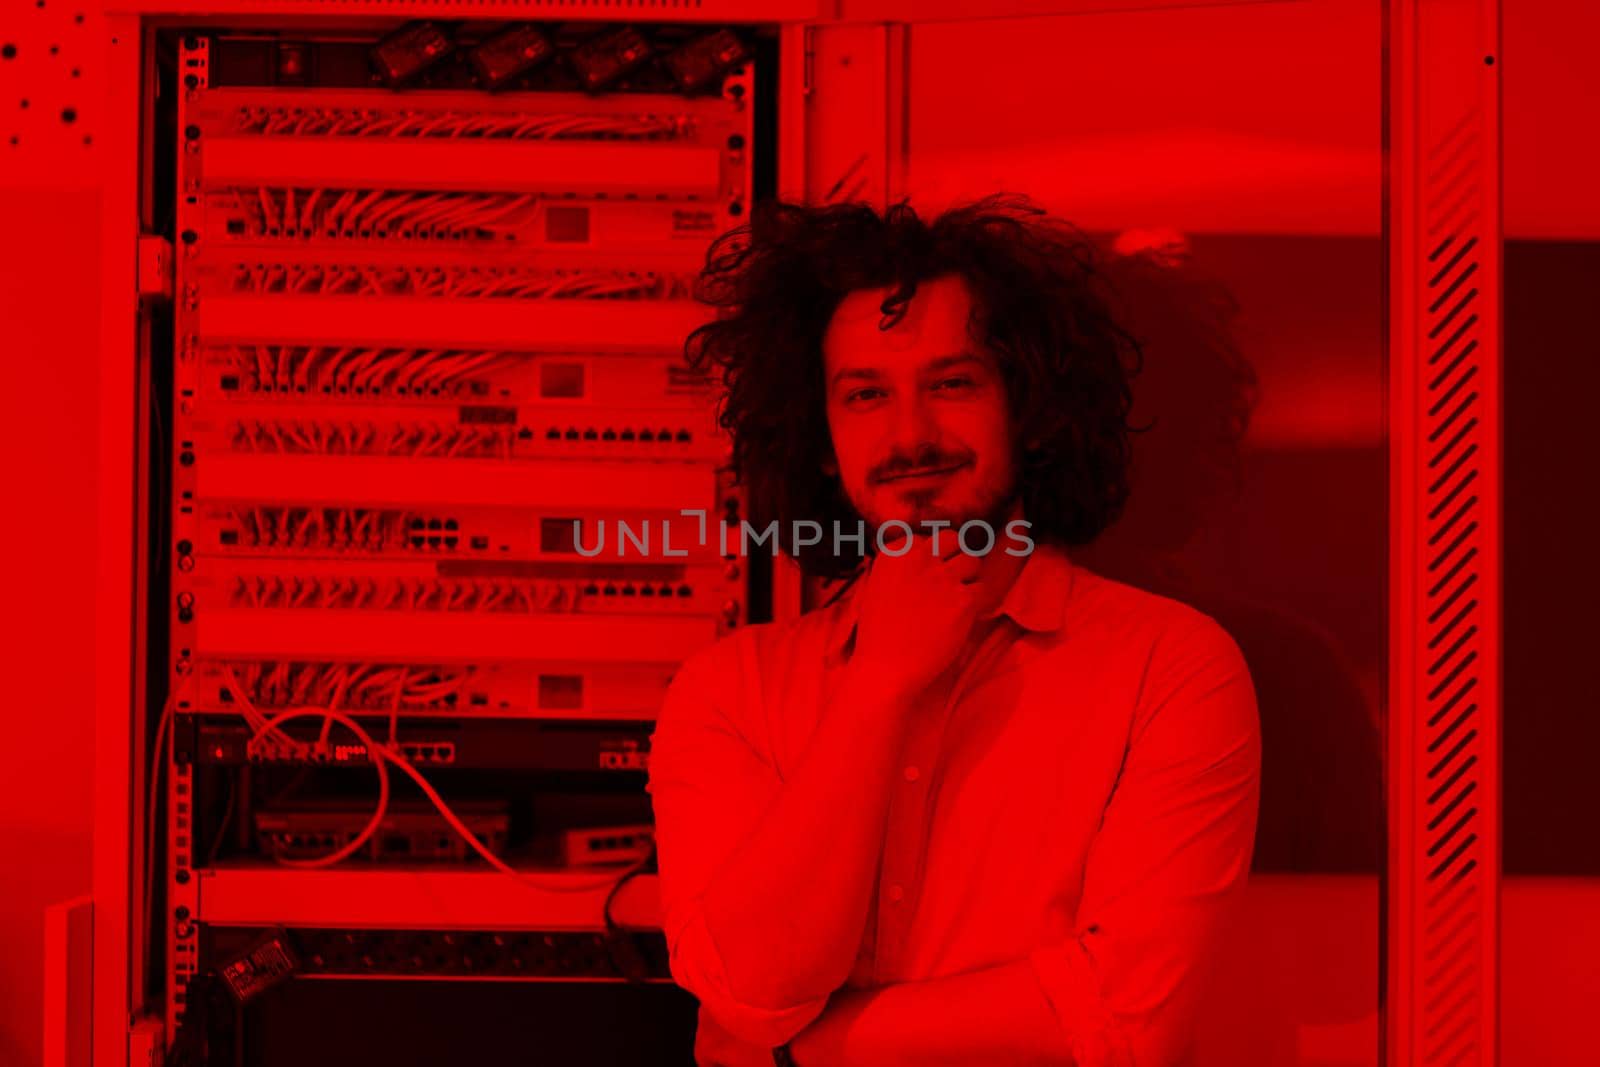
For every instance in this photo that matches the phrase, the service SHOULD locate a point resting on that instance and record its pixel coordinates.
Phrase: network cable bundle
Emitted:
(440, 487)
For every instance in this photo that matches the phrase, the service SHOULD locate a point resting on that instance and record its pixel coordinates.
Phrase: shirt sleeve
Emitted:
(710, 783)
(1168, 863)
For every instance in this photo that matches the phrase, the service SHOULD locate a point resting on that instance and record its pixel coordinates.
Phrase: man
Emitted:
(987, 807)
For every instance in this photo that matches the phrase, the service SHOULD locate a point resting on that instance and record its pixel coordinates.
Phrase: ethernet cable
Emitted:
(383, 754)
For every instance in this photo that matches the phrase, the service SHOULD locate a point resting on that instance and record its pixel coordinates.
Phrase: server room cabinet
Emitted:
(426, 485)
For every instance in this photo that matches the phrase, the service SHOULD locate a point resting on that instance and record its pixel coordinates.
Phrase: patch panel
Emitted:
(609, 748)
(346, 115)
(516, 689)
(379, 220)
(340, 594)
(262, 379)
(313, 214)
(432, 594)
(474, 433)
(466, 541)
(574, 143)
(412, 836)
(446, 282)
(426, 346)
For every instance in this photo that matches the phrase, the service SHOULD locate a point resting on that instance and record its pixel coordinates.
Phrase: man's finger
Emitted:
(964, 567)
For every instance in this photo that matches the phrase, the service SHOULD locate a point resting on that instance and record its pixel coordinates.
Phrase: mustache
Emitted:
(899, 466)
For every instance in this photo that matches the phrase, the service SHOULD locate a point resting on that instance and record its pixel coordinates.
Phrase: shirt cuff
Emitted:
(1069, 983)
(696, 965)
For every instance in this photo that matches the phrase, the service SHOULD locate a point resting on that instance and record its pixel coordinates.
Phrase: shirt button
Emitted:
(912, 774)
(896, 894)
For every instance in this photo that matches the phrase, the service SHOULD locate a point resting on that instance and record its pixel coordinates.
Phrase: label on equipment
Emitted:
(264, 966)
(692, 222)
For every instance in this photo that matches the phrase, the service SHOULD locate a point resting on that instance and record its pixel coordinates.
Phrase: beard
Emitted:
(923, 506)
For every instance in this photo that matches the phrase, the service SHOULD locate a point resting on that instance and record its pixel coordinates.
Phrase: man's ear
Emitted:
(830, 463)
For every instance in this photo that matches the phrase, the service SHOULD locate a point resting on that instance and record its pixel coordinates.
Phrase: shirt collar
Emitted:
(1036, 601)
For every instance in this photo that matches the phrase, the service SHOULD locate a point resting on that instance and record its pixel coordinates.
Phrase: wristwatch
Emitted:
(782, 1057)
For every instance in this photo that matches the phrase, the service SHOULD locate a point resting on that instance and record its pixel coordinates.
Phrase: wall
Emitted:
(48, 282)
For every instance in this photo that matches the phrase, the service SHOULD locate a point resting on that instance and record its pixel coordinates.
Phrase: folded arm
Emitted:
(766, 883)
(1160, 880)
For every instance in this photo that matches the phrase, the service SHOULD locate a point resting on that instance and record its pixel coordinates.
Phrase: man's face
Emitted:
(917, 412)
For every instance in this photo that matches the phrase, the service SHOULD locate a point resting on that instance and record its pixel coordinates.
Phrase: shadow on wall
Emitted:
(1321, 803)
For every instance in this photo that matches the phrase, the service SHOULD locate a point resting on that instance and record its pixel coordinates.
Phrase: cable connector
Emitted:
(155, 268)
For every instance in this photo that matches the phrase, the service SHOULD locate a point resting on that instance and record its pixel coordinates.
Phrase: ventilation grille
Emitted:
(1454, 449)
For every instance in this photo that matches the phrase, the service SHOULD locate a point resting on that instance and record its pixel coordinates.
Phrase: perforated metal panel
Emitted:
(1445, 423)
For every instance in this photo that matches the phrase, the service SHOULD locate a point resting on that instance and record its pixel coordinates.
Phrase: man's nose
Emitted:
(914, 426)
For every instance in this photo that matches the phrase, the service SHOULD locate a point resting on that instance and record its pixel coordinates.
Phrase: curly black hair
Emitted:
(1040, 305)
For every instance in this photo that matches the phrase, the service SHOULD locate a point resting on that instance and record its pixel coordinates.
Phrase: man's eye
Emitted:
(958, 382)
(864, 394)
